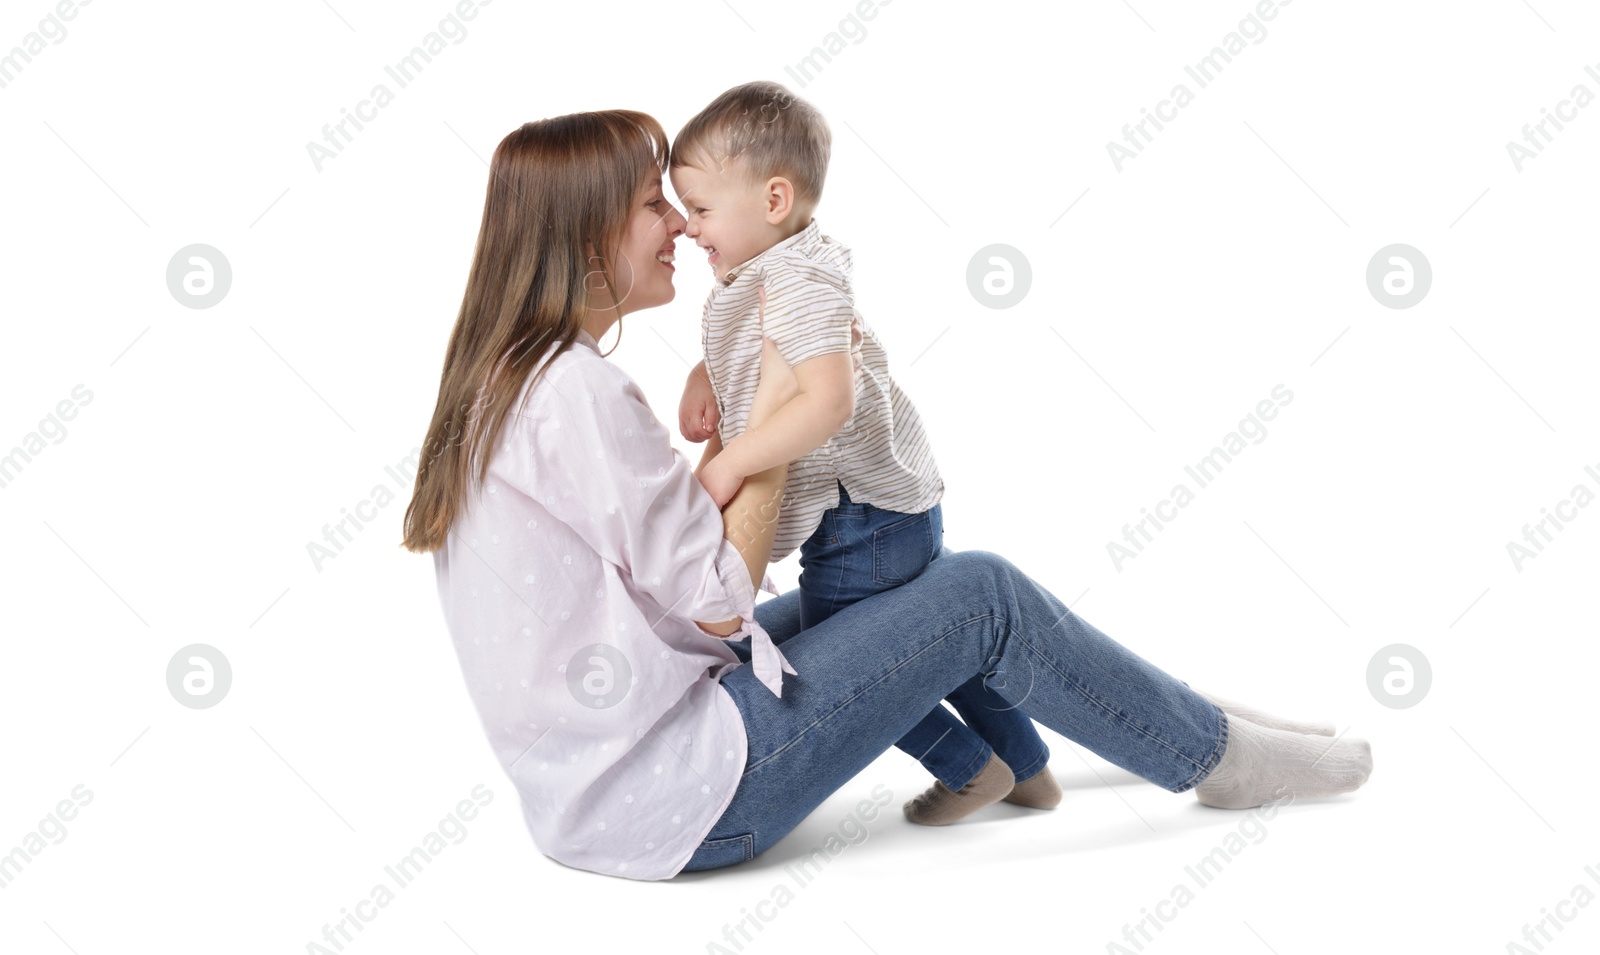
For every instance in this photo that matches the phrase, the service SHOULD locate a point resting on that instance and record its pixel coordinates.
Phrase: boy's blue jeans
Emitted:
(867, 675)
(859, 550)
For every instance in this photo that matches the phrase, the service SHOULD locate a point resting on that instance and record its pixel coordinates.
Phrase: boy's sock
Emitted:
(940, 806)
(1262, 764)
(1039, 791)
(1260, 718)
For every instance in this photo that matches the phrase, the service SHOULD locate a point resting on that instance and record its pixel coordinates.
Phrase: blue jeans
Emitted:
(869, 673)
(859, 550)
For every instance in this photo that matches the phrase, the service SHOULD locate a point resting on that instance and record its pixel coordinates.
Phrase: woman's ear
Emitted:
(595, 277)
(780, 199)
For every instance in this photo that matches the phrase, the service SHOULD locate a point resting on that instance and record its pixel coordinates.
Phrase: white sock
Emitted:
(1262, 764)
(1260, 718)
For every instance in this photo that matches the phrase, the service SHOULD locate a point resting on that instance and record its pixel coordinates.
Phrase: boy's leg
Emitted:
(1002, 724)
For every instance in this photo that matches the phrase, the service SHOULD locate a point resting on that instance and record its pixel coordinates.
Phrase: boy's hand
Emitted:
(697, 411)
(719, 482)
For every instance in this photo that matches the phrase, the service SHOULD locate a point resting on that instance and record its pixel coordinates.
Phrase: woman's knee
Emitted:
(982, 578)
(978, 565)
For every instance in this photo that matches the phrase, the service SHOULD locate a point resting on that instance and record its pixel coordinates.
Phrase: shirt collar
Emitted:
(803, 239)
(588, 339)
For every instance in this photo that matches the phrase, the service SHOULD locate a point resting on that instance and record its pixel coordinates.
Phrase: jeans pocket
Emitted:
(901, 550)
(715, 853)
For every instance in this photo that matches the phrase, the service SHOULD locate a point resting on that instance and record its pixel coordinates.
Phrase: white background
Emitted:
(1229, 257)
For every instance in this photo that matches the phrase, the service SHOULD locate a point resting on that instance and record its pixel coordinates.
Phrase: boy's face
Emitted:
(727, 214)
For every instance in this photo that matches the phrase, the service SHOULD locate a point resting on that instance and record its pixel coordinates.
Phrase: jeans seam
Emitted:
(1216, 754)
(1035, 768)
(829, 590)
(972, 769)
(1202, 768)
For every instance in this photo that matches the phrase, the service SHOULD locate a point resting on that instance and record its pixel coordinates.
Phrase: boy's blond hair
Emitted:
(769, 130)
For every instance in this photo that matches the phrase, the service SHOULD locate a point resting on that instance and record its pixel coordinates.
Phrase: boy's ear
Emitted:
(780, 199)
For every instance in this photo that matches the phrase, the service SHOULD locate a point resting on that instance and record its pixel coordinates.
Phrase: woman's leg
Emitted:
(968, 614)
(860, 550)
(838, 569)
(1006, 727)
(949, 750)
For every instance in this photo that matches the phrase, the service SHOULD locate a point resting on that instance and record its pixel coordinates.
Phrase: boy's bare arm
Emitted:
(698, 414)
(712, 449)
(825, 401)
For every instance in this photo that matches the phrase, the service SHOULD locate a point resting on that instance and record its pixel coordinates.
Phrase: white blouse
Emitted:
(570, 585)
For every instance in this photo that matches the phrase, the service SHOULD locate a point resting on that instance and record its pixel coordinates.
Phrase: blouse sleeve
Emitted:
(590, 450)
(806, 311)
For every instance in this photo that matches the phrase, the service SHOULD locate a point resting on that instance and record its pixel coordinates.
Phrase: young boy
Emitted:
(862, 499)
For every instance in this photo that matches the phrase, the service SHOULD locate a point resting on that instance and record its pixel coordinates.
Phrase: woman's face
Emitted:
(642, 268)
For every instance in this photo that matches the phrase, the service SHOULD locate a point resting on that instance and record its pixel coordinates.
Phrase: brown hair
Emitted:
(556, 187)
(772, 131)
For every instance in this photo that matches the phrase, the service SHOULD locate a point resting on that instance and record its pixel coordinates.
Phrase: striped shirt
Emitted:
(798, 294)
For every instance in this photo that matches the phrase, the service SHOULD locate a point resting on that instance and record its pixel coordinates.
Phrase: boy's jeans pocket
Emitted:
(902, 549)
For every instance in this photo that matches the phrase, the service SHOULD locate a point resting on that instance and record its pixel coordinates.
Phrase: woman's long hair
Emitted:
(557, 189)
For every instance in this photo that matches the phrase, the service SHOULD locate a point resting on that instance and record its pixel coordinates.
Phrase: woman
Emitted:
(588, 580)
